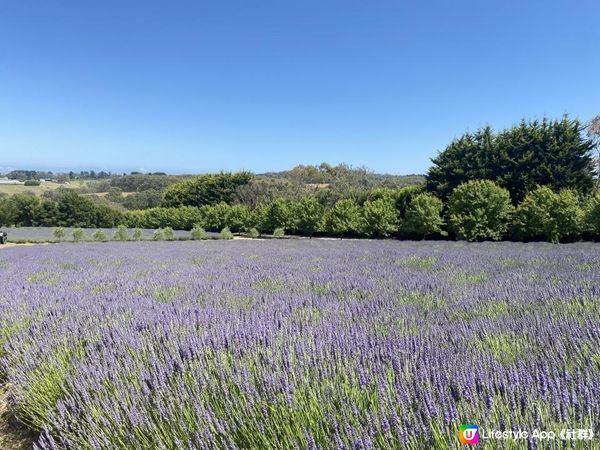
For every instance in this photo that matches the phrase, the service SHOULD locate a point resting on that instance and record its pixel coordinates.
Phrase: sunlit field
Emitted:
(299, 343)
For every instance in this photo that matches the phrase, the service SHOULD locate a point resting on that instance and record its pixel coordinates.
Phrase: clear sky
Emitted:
(197, 86)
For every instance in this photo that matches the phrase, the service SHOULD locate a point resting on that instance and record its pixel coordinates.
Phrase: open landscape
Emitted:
(310, 225)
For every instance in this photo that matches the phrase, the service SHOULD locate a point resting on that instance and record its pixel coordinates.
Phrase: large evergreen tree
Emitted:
(555, 153)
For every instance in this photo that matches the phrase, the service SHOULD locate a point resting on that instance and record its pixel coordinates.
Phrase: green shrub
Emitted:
(31, 183)
(592, 216)
(78, 234)
(226, 233)
(198, 233)
(423, 216)
(342, 218)
(545, 214)
(253, 233)
(138, 235)
(308, 214)
(380, 217)
(278, 233)
(121, 234)
(100, 236)
(158, 235)
(479, 210)
(58, 233)
(169, 234)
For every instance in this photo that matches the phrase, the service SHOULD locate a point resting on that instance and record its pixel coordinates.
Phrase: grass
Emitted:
(11, 189)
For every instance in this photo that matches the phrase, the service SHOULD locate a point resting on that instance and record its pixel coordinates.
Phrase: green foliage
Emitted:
(46, 214)
(226, 233)
(548, 152)
(238, 218)
(158, 235)
(138, 235)
(205, 189)
(121, 234)
(182, 218)
(281, 215)
(115, 194)
(143, 200)
(253, 233)
(545, 214)
(278, 233)
(198, 233)
(404, 197)
(423, 216)
(308, 214)
(169, 234)
(76, 211)
(8, 212)
(214, 217)
(58, 233)
(259, 218)
(31, 183)
(479, 210)
(25, 208)
(144, 182)
(343, 218)
(592, 215)
(100, 236)
(380, 217)
(78, 235)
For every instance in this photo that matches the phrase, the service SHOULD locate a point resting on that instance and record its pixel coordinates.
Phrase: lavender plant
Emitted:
(299, 344)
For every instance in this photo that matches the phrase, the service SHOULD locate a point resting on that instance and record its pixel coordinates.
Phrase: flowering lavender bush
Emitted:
(299, 344)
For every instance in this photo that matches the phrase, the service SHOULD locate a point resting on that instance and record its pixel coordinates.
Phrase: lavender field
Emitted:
(300, 344)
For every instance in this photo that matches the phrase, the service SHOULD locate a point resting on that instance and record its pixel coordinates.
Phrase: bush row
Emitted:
(476, 210)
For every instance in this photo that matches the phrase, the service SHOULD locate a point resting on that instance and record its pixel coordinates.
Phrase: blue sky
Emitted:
(196, 86)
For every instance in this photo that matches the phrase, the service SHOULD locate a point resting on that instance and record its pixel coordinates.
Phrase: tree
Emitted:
(281, 215)
(8, 212)
(26, 208)
(238, 218)
(423, 216)
(205, 189)
(115, 195)
(545, 214)
(76, 211)
(47, 214)
(343, 218)
(380, 217)
(143, 200)
(215, 217)
(479, 210)
(592, 216)
(309, 214)
(547, 152)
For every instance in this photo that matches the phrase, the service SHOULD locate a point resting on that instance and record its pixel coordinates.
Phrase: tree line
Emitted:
(534, 181)
(475, 210)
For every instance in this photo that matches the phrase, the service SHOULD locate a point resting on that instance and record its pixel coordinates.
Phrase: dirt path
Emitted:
(12, 436)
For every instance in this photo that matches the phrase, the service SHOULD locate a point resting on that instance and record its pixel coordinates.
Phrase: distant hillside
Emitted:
(358, 177)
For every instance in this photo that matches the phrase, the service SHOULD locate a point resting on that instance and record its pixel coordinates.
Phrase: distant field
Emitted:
(11, 189)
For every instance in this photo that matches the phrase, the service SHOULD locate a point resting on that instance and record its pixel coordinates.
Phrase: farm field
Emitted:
(308, 344)
(11, 189)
